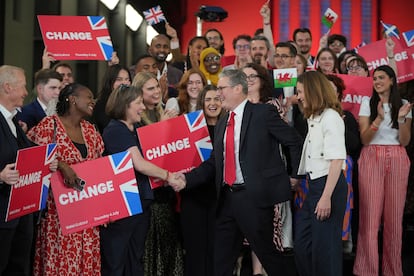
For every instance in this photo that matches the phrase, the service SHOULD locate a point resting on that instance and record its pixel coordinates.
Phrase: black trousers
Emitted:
(238, 217)
(197, 226)
(16, 244)
(123, 243)
(318, 244)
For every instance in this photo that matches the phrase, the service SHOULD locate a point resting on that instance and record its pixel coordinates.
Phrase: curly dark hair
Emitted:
(63, 104)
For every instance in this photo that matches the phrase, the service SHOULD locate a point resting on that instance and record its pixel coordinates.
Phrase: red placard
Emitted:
(357, 88)
(375, 54)
(177, 144)
(110, 193)
(76, 37)
(30, 193)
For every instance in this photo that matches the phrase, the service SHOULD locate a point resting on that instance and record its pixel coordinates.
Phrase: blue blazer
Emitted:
(31, 114)
(8, 148)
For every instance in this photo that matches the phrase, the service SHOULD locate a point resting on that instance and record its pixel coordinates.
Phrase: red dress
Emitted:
(55, 253)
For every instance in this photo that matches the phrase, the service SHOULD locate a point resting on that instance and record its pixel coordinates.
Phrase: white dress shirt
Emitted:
(239, 110)
(9, 119)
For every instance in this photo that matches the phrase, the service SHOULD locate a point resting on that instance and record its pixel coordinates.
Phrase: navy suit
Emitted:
(248, 212)
(16, 235)
(31, 114)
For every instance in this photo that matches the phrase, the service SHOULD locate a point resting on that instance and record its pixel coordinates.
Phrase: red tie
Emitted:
(229, 162)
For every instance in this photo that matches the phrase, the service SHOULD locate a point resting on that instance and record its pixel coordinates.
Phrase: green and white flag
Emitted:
(329, 18)
(285, 77)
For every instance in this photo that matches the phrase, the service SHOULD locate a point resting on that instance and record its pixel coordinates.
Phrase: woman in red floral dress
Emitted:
(77, 141)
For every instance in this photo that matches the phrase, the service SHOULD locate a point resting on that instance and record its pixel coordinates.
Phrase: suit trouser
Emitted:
(123, 243)
(383, 183)
(239, 216)
(197, 225)
(16, 244)
(318, 244)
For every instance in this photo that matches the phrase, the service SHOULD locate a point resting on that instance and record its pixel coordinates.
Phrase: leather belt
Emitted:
(236, 187)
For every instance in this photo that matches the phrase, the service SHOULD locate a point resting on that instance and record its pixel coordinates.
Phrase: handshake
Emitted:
(176, 181)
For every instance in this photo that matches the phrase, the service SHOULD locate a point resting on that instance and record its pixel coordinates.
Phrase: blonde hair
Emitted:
(139, 81)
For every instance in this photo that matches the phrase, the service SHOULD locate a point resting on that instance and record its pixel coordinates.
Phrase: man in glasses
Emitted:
(249, 173)
(241, 46)
(337, 43)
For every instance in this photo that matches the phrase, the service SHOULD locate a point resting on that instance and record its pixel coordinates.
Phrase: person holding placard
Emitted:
(77, 141)
(16, 235)
(123, 241)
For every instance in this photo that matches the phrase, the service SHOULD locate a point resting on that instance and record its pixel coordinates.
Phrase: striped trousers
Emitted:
(383, 179)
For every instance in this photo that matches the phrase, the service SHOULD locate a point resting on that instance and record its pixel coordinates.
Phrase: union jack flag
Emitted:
(131, 197)
(120, 162)
(391, 30)
(362, 44)
(97, 22)
(154, 15)
(409, 38)
(195, 120)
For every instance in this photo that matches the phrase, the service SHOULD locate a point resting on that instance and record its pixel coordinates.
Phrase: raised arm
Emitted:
(267, 31)
(389, 47)
(174, 44)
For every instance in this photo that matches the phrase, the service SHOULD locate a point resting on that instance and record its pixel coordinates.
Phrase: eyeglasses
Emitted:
(354, 68)
(336, 44)
(243, 47)
(221, 88)
(252, 77)
(282, 56)
(212, 58)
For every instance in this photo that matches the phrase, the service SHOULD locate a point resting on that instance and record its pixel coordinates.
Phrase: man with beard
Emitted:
(160, 49)
(259, 50)
(303, 38)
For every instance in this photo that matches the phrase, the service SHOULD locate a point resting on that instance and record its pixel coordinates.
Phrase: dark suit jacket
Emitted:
(31, 114)
(8, 149)
(264, 173)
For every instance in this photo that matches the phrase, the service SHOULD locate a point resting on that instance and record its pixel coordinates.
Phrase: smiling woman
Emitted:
(77, 141)
(210, 65)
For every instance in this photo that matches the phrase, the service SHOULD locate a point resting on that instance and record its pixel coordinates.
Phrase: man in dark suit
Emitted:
(47, 84)
(16, 235)
(246, 206)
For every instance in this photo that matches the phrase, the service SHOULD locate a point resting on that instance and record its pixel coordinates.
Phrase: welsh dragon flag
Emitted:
(329, 18)
(285, 77)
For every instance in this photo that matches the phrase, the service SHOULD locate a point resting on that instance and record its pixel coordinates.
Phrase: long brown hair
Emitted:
(183, 99)
(319, 94)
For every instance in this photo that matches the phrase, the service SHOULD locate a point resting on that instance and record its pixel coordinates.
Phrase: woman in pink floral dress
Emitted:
(77, 141)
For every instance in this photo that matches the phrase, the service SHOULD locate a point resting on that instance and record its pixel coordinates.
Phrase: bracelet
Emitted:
(168, 175)
(374, 128)
(391, 57)
(375, 125)
(266, 23)
(401, 121)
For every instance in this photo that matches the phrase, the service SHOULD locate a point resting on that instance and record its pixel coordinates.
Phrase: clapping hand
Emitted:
(404, 110)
